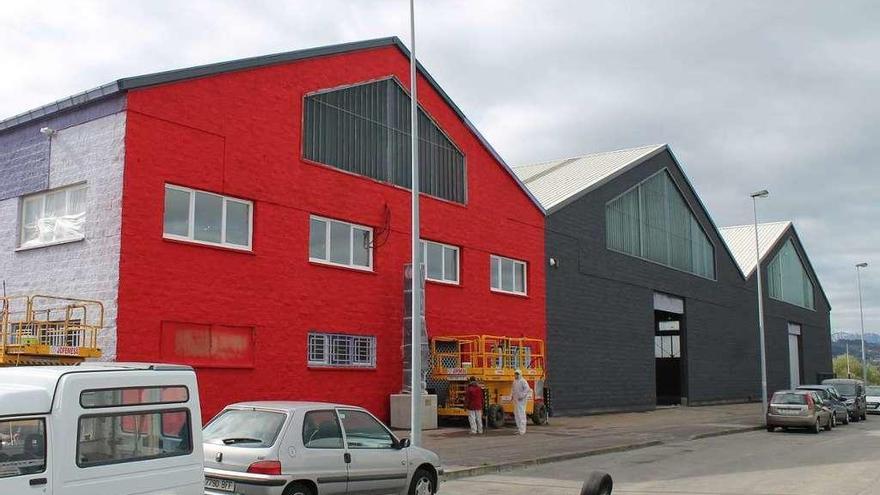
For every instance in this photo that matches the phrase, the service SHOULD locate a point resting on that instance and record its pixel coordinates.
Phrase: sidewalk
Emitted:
(571, 437)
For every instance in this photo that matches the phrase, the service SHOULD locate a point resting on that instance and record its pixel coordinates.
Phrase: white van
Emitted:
(100, 429)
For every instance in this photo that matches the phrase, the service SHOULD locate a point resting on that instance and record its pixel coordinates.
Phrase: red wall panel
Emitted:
(239, 134)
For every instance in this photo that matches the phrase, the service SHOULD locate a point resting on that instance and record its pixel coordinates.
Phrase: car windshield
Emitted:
(244, 428)
(789, 398)
(847, 389)
(875, 390)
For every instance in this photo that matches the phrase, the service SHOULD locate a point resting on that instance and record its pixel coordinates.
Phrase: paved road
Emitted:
(845, 460)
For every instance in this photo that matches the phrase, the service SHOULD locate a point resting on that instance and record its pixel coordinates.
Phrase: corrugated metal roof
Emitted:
(557, 182)
(741, 241)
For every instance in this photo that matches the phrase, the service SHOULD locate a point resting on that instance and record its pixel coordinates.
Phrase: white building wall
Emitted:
(92, 152)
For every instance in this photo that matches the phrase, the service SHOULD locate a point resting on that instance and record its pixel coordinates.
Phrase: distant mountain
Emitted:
(870, 337)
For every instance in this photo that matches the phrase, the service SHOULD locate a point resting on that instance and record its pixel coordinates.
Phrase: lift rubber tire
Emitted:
(597, 483)
(298, 489)
(539, 415)
(495, 416)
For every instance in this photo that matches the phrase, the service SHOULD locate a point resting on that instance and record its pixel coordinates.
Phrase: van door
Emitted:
(375, 465)
(24, 468)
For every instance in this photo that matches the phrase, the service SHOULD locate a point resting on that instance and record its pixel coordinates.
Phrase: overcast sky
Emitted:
(749, 94)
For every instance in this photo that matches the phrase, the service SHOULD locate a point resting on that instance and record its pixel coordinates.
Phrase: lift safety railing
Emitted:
(51, 328)
(487, 355)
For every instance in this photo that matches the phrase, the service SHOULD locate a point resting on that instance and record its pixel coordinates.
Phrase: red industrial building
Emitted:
(265, 220)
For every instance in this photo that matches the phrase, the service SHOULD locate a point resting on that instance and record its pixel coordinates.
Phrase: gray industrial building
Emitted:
(646, 303)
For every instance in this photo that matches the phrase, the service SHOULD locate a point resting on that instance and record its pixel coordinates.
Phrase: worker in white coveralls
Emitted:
(520, 393)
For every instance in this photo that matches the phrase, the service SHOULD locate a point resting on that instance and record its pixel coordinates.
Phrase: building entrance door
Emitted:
(668, 345)
(795, 369)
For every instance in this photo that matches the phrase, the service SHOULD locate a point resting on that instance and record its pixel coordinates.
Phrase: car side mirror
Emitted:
(403, 443)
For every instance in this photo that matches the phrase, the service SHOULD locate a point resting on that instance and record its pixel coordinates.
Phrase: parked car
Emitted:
(307, 448)
(832, 400)
(99, 429)
(853, 391)
(872, 399)
(798, 409)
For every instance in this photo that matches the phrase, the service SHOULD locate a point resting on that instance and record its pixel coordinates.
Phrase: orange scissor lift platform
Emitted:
(43, 330)
(492, 360)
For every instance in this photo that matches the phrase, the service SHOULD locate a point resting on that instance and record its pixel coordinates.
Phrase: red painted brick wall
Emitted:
(239, 134)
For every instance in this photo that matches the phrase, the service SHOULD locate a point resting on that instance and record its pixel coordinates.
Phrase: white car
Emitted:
(873, 399)
(311, 448)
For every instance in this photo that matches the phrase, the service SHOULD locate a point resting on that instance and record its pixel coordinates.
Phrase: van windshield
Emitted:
(244, 428)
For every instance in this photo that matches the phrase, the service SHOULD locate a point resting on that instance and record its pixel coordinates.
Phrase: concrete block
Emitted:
(400, 411)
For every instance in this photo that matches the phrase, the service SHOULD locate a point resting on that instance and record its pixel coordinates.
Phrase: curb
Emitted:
(508, 466)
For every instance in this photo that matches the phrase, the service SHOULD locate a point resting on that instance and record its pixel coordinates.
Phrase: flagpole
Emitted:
(416, 320)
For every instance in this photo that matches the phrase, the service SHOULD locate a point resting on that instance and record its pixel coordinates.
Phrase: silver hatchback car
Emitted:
(311, 448)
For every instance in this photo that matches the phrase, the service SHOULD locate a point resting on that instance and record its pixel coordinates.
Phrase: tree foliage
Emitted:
(855, 369)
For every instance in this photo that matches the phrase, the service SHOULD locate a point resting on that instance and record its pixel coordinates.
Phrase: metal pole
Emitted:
(862, 318)
(760, 312)
(416, 320)
(848, 374)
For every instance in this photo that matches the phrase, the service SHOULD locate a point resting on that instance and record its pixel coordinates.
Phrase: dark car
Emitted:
(854, 392)
(832, 399)
(798, 409)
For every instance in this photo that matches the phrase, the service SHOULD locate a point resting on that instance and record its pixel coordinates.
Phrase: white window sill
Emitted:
(509, 293)
(187, 240)
(443, 282)
(53, 243)
(317, 261)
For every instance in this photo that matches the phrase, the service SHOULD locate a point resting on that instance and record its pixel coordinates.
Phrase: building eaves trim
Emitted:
(129, 83)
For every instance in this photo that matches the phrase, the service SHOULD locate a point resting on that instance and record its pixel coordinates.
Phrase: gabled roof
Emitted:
(741, 241)
(128, 83)
(557, 182)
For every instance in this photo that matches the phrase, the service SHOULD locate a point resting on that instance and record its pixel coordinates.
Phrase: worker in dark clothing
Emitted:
(474, 402)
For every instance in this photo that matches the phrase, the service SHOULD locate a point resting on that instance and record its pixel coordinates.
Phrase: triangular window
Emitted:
(788, 279)
(653, 221)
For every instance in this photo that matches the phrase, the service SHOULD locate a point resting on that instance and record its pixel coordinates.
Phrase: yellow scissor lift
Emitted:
(492, 361)
(49, 330)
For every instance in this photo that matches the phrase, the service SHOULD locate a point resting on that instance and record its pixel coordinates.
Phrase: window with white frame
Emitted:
(207, 218)
(441, 262)
(507, 275)
(333, 349)
(53, 217)
(340, 243)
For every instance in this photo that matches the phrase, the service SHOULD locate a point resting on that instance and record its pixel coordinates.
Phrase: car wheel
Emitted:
(846, 419)
(830, 424)
(817, 427)
(597, 483)
(297, 489)
(495, 416)
(771, 429)
(539, 415)
(422, 483)
(855, 418)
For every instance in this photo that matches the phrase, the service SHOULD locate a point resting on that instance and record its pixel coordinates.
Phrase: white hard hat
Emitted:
(517, 372)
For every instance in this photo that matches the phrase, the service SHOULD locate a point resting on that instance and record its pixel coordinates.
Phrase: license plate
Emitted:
(224, 485)
(788, 412)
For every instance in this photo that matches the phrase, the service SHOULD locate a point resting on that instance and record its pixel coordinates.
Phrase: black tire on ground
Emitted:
(846, 419)
(298, 489)
(855, 418)
(816, 427)
(771, 429)
(830, 424)
(495, 416)
(864, 416)
(539, 415)
(597, 483)
(422, 483)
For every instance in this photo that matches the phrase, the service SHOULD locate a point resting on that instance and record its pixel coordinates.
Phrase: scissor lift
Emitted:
(49, 330)
(492, 361)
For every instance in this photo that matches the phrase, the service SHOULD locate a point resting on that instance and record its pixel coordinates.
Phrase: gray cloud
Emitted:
(750, 95)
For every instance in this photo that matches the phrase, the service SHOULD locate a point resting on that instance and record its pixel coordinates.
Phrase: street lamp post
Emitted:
(416, 320)
(862, 318)
(760, 194)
